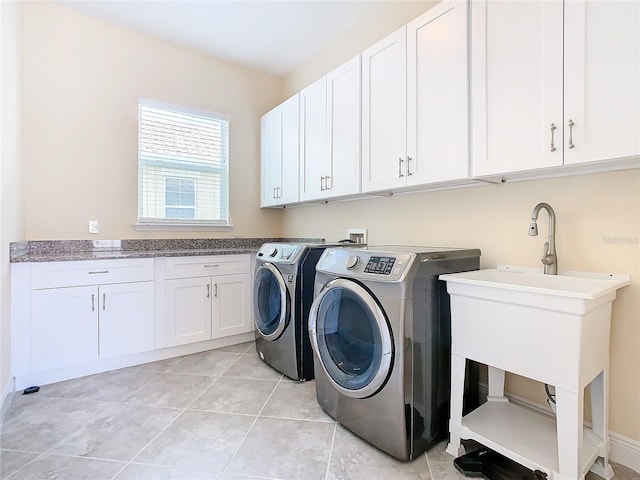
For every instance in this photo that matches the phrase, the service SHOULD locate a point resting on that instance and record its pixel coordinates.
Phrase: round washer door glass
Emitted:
(352, 338)
(271, 302)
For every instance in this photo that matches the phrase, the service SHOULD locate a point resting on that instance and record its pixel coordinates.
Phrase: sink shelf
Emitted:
(526, 437)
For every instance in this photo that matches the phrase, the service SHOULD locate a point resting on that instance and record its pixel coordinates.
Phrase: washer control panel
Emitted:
(380, 265)
(279, 252)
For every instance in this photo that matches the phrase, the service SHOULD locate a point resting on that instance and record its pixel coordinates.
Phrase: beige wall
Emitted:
(597, 227)
(11, 179)
(82, 81)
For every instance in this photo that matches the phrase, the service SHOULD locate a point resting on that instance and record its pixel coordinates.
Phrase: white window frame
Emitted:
(175, 223)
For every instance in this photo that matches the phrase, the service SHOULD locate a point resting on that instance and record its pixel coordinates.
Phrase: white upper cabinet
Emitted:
(415, 102)
(330, 134)
(554, 83)
(384, 113)
(601, 80)
(437, 95)
(314, 158)
(279, 139)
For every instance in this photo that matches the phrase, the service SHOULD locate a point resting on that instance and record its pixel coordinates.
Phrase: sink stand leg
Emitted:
(569, 419)
(599, 403)
(458, 365)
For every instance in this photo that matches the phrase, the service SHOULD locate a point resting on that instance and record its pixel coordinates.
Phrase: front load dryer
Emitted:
(282, 296)
(380, 331)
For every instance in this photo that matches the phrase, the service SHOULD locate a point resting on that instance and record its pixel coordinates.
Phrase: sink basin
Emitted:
(552, 328)
(585, 285)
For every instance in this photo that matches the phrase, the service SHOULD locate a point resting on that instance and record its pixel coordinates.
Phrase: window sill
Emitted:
(181, 227)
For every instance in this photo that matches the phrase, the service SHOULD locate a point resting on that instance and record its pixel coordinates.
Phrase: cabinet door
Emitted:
(231, 305)
(271, 140)
(314, 159)
(343, 109)
(437, 99)
(602, 80)
(188, 310)
(126, 318)
(516, 88)
(64, 327)
(384, 113)
(288, 192)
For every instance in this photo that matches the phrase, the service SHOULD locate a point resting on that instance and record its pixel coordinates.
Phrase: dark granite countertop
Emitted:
(72, 250)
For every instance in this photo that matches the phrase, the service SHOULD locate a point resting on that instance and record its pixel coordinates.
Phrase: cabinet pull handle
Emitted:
(553, 129)
(278, 192)
(571, 124)
(93, 302)
(326, 183)
(400, 160)
(215, 292)
(409, 167)
(274, 192)
(104, 301)
(212, 265)
(98, 271)
(208, 290)
(321, 184)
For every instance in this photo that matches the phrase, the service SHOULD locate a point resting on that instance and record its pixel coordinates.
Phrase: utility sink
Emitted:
(550, 328)
(545, 327)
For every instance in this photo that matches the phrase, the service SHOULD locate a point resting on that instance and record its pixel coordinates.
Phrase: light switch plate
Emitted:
(93, 226)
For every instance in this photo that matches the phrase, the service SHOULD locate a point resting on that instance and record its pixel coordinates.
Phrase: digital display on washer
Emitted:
(380, 265)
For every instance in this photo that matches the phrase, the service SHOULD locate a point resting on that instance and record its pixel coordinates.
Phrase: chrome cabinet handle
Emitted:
(400, 160)
(321, 185)
(104, 301)
(208, 290)
(326, 183)
(409, 167)
(571, 124)
(93, 302)
(212, 265)
(98, 272)
(553, 129)
(215, 291)
(274, 192)
(278, 195)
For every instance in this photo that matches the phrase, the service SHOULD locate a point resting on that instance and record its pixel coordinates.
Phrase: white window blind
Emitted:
(183, 165)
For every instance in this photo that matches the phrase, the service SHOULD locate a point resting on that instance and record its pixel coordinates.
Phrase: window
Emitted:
(183, 165)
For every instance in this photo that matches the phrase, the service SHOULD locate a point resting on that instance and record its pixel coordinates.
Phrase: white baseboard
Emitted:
(622, 450)
(7, 395)
(46, 377)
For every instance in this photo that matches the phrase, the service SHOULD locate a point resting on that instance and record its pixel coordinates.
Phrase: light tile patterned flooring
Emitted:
(221, 414)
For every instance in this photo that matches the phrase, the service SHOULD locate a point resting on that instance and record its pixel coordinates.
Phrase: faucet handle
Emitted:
(545, 254)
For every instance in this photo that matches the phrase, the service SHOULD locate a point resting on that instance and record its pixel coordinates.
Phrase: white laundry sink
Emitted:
(546, 327)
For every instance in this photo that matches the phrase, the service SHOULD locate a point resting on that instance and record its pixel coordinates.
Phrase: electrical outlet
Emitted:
(93, 226)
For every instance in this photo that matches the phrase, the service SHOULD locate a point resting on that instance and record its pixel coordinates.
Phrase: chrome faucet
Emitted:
(549, 258)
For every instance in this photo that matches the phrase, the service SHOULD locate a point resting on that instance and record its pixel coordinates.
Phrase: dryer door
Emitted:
(351, 338)
(271, 302)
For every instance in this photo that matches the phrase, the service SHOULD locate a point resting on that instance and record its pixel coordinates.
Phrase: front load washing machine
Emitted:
(282, 296)
(380, 330)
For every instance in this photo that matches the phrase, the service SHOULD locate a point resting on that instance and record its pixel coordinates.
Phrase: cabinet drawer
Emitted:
(91, 272)
(185, 267)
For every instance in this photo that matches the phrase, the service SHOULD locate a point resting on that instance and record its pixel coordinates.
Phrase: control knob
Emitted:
(272, 251)
(352, 262)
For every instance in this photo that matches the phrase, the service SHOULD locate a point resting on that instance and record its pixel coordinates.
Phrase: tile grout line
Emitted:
(252, 425)
(333, 439)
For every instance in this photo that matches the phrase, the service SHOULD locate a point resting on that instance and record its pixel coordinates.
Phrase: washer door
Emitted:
(351, 338)
(271, 303)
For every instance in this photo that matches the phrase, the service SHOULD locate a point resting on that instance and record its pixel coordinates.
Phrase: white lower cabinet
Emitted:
(71, 325)
(199, 308)
(64, 327)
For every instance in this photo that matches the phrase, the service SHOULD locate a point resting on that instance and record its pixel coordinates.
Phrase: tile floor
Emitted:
(221, 414)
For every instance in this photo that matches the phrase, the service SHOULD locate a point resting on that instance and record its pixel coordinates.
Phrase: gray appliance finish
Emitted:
(381, 336)
(282, 296)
